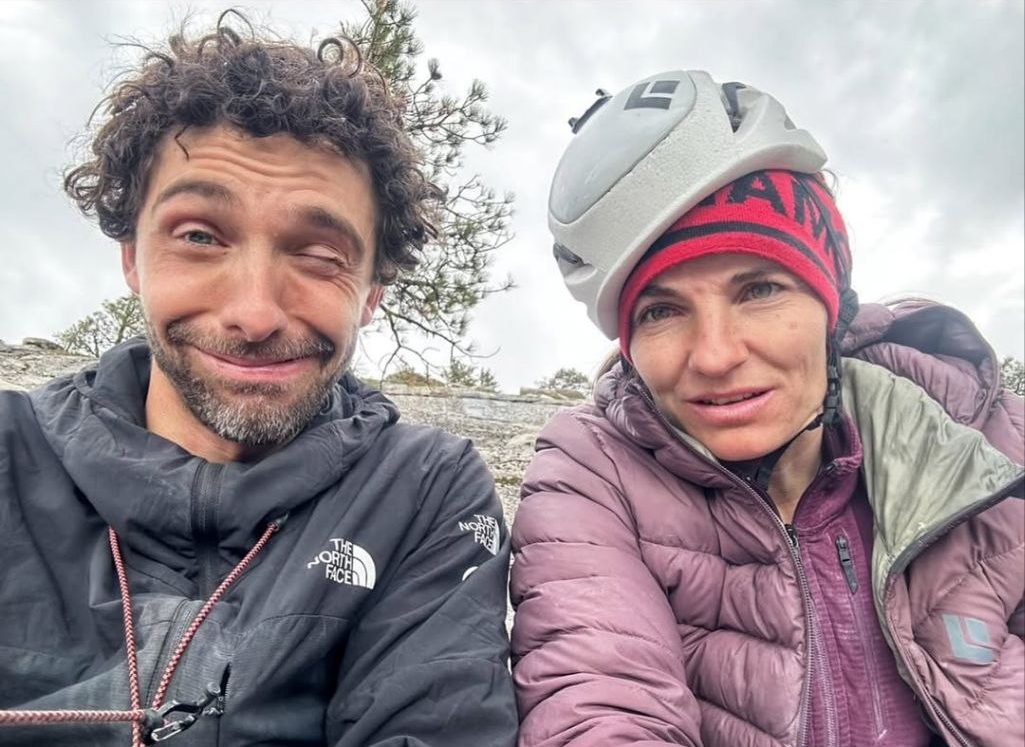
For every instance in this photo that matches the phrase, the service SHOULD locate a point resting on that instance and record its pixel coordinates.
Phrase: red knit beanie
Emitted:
(783, 216)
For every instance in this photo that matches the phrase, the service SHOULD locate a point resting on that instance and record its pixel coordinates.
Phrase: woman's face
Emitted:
(733, 349)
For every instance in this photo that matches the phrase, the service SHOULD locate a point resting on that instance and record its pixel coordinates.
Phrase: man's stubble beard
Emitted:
(253, 415)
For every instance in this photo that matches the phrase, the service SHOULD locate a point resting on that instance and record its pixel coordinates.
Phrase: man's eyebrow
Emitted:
(320, 218)
(198, 187)
(315, 217)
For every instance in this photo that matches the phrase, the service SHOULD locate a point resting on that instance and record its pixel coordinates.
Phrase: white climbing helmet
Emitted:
(642, 158)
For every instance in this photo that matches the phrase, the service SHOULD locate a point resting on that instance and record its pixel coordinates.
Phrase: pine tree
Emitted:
(115, 322)
(487, 381)
(435, 302)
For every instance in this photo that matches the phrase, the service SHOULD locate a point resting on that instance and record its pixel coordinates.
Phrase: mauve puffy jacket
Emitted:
(631, 627)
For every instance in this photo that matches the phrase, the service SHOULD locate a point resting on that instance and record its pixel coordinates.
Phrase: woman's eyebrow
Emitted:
(654, 290)
(751, 275)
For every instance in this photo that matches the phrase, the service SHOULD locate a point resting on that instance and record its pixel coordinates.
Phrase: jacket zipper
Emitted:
(843, 550)
(816, 657)
(203, 517)
(184, 611)
(206, 492)
(790, 534)
(903, 560)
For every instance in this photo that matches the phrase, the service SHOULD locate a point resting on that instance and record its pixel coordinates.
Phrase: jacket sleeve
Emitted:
(1006, 430)
(427, 665)
(597, 658)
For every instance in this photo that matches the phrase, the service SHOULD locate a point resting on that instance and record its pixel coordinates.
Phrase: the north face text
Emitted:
(485, 531)
(346, 563)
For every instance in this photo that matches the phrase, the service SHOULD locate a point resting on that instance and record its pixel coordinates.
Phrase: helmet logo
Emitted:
(661, 95)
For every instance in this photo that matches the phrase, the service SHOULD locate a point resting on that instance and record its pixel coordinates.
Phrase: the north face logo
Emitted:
(485, 531)
(346, 563)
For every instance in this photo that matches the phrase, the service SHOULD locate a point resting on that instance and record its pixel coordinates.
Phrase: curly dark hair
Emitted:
(326, 96)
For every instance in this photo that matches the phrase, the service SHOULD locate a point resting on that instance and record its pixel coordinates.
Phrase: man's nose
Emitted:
(253, 296)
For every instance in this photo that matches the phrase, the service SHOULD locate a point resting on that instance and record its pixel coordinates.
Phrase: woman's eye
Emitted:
(762, 290)
(654, 314)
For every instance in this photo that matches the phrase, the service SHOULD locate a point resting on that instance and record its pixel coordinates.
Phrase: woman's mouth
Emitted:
(726, 399)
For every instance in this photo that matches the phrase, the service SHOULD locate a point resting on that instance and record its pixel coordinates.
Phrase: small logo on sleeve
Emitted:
(485, 531)
(346, 563)
(969, 639)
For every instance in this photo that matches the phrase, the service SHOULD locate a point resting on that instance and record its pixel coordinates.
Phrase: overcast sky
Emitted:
(918, 104)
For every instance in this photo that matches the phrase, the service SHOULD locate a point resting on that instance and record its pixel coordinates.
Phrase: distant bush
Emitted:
(407, 376)
(566, 382)
(1012, 371)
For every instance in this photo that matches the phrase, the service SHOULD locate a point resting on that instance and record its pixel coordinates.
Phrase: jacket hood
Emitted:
(934, 345)
(936, 456)
(142, 485)
(624, 400)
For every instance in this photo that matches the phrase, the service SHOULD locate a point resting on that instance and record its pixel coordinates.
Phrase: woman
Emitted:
(739, 543)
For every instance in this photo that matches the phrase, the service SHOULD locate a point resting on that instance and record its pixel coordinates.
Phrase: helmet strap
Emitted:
(761, 474)
(830, 416)
(831, 404)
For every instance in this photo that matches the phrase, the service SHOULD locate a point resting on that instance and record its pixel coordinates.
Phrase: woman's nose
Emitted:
(716, 344)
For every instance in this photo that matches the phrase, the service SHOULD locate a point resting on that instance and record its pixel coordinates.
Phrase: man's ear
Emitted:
(129, 266)
(371, 304)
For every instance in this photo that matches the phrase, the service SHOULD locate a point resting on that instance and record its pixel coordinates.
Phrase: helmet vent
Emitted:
(577, 122)
(562, 254)
(729, 92)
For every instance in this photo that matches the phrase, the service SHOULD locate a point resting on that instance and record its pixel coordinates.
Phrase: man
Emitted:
(218, 531)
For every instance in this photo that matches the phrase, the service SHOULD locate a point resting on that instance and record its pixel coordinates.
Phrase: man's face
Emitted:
(253, 259)
(733, 350)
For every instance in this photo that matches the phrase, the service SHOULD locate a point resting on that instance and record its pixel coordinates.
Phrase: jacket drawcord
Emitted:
(148, 724)
(134, 693)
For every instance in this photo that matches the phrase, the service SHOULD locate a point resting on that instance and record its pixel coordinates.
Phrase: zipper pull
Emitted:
(843, 549)
(792, 534)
